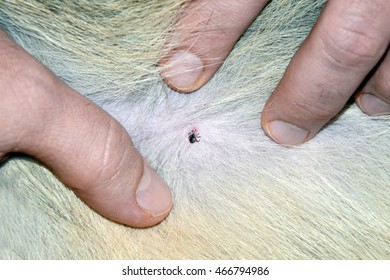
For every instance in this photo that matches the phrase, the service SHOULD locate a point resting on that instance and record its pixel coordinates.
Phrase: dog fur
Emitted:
(237, 194)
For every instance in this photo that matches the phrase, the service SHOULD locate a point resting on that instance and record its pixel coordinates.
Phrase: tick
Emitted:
(193, 136)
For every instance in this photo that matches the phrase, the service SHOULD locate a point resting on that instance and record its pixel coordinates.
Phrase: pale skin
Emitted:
(43, 117)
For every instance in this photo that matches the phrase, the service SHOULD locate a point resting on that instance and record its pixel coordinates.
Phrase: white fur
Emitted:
(237, 194)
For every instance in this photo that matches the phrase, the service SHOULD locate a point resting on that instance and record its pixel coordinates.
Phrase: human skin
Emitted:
(41, 116)
(336, 61)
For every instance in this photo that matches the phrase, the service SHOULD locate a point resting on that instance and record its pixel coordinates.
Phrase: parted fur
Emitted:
(237, 194)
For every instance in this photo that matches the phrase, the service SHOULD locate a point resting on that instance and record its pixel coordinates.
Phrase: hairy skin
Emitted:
(237, 193)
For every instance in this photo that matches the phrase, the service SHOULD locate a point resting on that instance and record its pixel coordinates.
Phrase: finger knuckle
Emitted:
(314, 110)
(109, 159)
(355, 41)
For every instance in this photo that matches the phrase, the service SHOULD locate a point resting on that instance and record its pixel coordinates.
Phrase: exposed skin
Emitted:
(84, 147)
(348, 41)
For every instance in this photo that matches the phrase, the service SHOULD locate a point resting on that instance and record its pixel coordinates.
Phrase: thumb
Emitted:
(85, 148)
(201, 39)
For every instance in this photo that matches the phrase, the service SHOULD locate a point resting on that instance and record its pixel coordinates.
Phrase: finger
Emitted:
(348, 40)
(87, 149)
(374, 99)
(202, 38)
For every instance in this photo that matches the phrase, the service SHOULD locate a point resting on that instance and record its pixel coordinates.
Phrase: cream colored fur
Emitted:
(237, 194)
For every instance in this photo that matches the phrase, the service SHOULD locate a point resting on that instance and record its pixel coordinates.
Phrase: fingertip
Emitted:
(372, 105)
(183, 71)
(153, 195)
(275, 126)
(285, 133)
(201, 39)
(139, 203)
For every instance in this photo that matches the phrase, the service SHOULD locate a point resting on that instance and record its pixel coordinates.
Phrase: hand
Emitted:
(87, 149)
(347, 50)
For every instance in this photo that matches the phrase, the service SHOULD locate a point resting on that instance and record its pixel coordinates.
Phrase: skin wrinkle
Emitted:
(313, 110)
(345, 56)
(117, 165)
(96, 156)
(354, 44)
(25, 130)
(108, 138)
(198, 34)
(187, 22)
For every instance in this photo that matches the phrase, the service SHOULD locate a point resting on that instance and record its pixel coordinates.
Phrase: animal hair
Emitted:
(237, 194)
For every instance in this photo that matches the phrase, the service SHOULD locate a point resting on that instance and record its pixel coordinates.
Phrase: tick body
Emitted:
(193, 136)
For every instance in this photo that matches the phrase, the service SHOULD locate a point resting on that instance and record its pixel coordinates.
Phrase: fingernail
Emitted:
(286, 133)
(183, 70)
(372, 105)
(153, 195)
